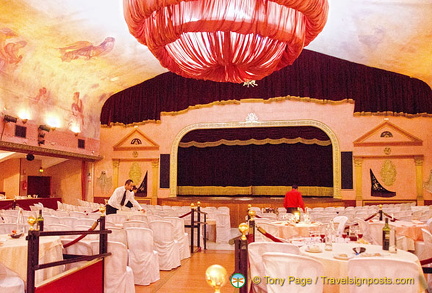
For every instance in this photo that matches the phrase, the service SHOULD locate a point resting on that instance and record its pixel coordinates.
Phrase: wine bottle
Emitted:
(40, 221)
(386, 235)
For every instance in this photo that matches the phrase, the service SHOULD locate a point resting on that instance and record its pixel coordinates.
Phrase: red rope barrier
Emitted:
(426, 261)
(269, 236)
(81, 236)
(182, 216)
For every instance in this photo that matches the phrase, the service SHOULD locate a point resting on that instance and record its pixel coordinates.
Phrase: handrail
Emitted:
(33, 250)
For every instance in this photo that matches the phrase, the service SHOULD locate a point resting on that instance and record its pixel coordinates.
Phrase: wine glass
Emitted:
(31, 220)
(344, 236)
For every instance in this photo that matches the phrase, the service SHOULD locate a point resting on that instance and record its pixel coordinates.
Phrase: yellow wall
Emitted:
(66, 180)
(10, 176)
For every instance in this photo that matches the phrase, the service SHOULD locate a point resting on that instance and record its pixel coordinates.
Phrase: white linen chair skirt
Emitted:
(9, 281)
(118, 276)
(380, 268)
(166, 245)
(143, 259)
(255, 253)
(280, 265)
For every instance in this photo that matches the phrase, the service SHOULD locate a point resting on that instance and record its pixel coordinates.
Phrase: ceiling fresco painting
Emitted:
(60, 60)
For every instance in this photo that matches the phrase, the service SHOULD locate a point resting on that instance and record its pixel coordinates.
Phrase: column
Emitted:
(419, 180)
(155, 181)
(116, 164)
(358, 180)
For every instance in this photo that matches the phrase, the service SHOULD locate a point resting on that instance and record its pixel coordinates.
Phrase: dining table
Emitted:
(288, 230)
(13, 254)
(410, 230)
(335, 261)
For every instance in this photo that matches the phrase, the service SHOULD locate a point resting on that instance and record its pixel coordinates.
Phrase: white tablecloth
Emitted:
(335, 268)
(410, 230)
(13, 254)
(287, 230)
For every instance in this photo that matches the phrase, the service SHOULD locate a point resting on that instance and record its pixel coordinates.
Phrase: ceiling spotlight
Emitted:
(9, 118)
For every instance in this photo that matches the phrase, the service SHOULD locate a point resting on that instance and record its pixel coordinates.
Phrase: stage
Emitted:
(239, 205)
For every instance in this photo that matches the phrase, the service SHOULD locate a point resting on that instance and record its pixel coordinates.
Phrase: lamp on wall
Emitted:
(226, 41)
(41, 170)
(44, 128)
(9, 118)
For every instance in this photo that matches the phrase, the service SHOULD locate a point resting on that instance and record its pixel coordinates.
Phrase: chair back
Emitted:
(382, 268)
(341, 221)
(118, 277)
(116, 218)
(135, 223)
(118, 235)
(280, 265)
(255, 253)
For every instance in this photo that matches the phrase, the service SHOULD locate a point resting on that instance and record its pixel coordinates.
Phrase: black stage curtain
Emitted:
(256, 165)
(312, 75)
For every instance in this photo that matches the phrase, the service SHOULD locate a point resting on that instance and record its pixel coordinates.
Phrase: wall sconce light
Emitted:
(24, 121)
(41, 170)
(44, 128)
(9, 118)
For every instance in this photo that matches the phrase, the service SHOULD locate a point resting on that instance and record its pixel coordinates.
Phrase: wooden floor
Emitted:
(190, 276)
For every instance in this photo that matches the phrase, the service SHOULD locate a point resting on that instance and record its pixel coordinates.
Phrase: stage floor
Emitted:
(239, 205)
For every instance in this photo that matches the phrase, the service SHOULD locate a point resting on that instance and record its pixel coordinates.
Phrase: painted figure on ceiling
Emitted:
(9, 51)
(77, 110)
(86, 50)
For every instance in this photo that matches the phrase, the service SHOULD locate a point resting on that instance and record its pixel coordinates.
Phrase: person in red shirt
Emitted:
(293, 200)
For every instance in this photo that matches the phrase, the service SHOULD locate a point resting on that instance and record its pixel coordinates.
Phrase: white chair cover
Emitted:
(223, 227)
(281, 265)
(117, 235)
(79, 248)
(341, 221)
(9, 281)
(69, 221)
(180, 235)
(269, 228)
(116, 218)
(6, 228)
(365, 229)
(135, 223)
(84, 221)
(143, 259)
(376, 267)
(166, 245)
(255, 252)
(118, 276)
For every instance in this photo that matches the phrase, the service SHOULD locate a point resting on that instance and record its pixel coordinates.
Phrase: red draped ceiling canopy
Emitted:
(225, 40)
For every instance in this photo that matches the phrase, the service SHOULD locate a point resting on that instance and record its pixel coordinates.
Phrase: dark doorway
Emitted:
(40, 185)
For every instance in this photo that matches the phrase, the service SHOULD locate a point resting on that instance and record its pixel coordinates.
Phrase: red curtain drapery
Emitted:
(225, 40)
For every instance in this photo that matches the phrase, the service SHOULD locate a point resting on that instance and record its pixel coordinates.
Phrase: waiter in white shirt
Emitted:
(122, 197)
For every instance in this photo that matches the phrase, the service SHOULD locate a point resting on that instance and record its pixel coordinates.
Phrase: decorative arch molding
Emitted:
(336, 154)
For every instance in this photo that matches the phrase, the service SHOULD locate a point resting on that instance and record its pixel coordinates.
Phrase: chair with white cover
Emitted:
(6, 228)
(141, 217)
(135, 223)
(143, 258)
(84, 221)
(423, 250)
(118, 276)
(79, 248)
(9, 281)
(341, 221)
(255, 252)
(223, 227)
(380, 268)
(270, 228)
(117, 219)
(70, 221)
(365, 229)
(117, 235)
(166, 245)
(180, 235)
(281, 265)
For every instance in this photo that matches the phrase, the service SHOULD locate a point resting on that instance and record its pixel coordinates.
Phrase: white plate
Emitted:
(308, 249)
(376, 254)
(343, 256)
